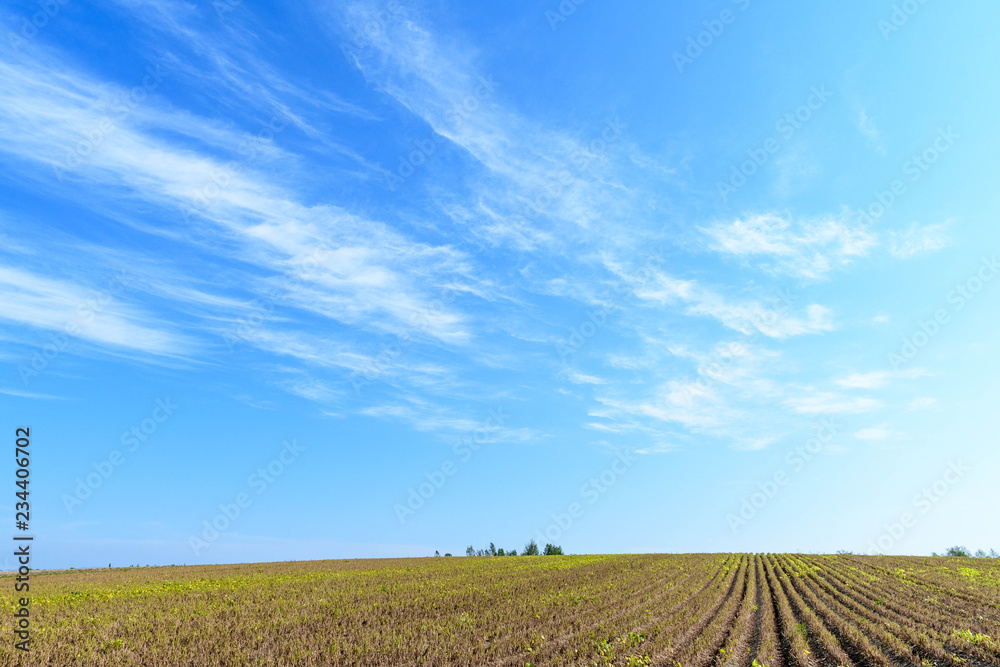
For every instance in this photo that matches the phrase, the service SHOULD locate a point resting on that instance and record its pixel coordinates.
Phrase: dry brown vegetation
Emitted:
(699, 610)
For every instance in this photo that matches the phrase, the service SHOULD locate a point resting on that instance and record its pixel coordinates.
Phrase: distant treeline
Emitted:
(964, 552)
(530, 549)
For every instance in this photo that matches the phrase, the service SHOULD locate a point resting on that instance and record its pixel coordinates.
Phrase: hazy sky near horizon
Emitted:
(359, 279)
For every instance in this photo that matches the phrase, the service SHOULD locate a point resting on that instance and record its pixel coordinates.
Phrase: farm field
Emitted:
(778, 610)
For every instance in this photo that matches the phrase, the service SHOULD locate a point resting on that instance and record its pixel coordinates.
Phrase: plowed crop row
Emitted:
(692, 610)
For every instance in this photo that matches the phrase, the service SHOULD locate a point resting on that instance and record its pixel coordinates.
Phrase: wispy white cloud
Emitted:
(226, 60)
(256, 403)
(693, 404)
(338, 265)
(880, 320)
(829, 403)
(424, 415)
(922, 403)
(918, 241)
(31, 395)
(879, 379)
(870, 130)
(536, 186)
(807, 248)
(661, 448)
(746, 318)
(676, 409)
(878, 434)
(61, 306)
(311, 388)
(581, 378)
(772, 320)
(608, 428)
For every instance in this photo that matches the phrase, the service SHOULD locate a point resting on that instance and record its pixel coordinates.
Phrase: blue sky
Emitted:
(374, 279)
